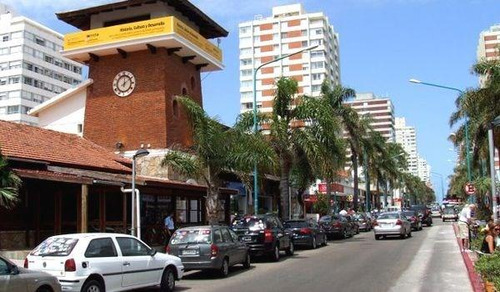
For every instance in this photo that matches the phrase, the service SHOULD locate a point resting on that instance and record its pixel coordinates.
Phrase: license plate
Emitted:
(190, 252)
(247, 238)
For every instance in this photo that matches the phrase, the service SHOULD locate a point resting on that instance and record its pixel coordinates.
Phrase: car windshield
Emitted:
(251, 223)
(296, 224)
(55, 246)
(388, 216)
(449, 211)
(409, 214)
(191, 236)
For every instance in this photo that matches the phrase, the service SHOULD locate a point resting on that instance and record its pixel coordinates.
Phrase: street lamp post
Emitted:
(255, 172)
(136, 208)
(467, 155)
(442, 186)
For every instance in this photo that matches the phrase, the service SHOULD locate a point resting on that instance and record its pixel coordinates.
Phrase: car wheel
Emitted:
(224, 269)
(93, 286)
(44, 289)
(291, 249)
(313, 243)
(344, 234)
(357, 231)
(403, 236)
(409, 234)
(420, 227)
(429, 224)
(377, 237)
(246, 263)
(325, 239)
(167, 281)
(275, 256)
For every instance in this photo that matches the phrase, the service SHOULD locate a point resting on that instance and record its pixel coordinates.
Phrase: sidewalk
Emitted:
(469, 260)
(437, 266)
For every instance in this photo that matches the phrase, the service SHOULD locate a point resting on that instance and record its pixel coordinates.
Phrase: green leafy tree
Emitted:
(217, 149)
(9, 185)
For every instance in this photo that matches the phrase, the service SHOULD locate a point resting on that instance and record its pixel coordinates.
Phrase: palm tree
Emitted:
(9, 185)
(216, 149)
(302, 131)
(355, 127)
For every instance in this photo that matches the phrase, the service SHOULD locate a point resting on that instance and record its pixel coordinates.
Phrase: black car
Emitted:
(306, 233)
(424, 213)
(336, 226)
(413, 217)
(265, 235)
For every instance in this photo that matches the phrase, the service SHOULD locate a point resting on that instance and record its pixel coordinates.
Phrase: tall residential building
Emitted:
(381, 110)
(31, 67)
(424, 170)
(288, 30)
(489, 49)
(406, 136)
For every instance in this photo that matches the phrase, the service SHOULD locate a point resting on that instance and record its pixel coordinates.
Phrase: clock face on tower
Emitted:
(124, 83)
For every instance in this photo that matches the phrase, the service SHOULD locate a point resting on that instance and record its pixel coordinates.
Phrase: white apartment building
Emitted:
(381, 110)
(406, 136)
(31, 67)
(424, 170)
(288, 30)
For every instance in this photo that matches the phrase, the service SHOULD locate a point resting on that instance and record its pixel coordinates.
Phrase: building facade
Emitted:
(406, 136)
(289, 29)
(381, 110)
(32, 69)
(424, 170)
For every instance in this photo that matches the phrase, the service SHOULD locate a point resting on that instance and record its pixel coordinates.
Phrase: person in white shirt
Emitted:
(463, 224)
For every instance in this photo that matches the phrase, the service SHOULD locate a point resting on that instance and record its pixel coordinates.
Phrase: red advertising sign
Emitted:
(333, 187)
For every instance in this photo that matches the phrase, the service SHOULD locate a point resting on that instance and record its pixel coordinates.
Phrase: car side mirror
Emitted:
(14, 270)
(152, 252)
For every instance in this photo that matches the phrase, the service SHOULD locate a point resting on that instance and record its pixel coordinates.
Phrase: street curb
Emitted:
(475, 279)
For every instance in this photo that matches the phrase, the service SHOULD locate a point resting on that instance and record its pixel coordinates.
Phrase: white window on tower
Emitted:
(245, 51)
(244, 29)
(245, 62)
(246, 42)
(246, 83)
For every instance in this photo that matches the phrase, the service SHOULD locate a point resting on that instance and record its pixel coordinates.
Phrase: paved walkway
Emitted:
(437, 266)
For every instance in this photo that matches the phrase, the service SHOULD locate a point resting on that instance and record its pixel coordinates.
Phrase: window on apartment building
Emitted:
(286, 69)
(5, 38)
(245, 29)
(276, 36)
(3, 80)
(304, 44)
(245, 62)
(305, 67)
(303, 32)
(247, 105)
(316, 42)
(256, 39)
(3, 96)
(316, 88)
(246, 42)
(14, 94)
(317, 76)
(3, 110)
(246, 83)
(12, 109)
(246, 94)
(317, 65)
(15, 65)
(4, 51)
(25, 109)
(315, 54)
(79, 128)
(48, 59)
(284, 35)
(4, 66)
(14, 79)
(246, 72)
(39, 41)
(284, 47)
(245, 51)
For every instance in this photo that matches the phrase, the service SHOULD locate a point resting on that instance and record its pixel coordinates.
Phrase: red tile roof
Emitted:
(56, 148)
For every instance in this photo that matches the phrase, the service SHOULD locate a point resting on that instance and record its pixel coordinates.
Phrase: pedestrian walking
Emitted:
(464, 221)
(169, 226)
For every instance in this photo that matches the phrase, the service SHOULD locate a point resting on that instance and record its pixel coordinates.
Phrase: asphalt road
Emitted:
(428, 261)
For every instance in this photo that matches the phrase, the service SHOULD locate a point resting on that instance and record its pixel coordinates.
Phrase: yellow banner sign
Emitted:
(137, 30)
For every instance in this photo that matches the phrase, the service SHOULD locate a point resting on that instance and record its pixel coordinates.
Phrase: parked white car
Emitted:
(97, 262)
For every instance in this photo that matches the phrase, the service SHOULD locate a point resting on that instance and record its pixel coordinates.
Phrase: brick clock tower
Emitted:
(141, 54)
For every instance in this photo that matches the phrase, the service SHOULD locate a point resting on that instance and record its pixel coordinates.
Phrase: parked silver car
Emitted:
(14, 278)
(209, 248)
(392, 223)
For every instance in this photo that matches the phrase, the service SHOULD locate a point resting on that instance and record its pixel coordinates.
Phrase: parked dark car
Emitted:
(364, 223)
(353, 222)
(336, 226)
(306, 233)
(265, 235)
(412, 215)
(214, 248)
(424, 213)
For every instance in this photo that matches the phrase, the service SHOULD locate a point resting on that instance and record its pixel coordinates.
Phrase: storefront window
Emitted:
(181, 210)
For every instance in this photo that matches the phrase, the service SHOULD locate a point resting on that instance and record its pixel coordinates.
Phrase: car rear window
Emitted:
(296, 224)
(55, 246)
(388, 216)
(249, 222)
(449, 211)
(191, 236)
(409, 214)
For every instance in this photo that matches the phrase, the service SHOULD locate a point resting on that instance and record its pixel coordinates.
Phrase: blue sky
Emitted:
(383, 43)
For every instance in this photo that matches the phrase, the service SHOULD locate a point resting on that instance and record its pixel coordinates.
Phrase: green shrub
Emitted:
(488, 266)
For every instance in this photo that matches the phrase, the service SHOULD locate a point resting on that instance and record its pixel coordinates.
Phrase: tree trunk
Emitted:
(377, 198)
(328, 195)
(354, 159)
(284, 187)
(213, 205)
